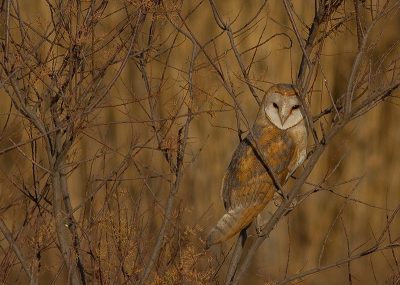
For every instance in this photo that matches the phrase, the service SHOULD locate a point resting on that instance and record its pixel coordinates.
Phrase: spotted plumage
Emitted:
(281, 133)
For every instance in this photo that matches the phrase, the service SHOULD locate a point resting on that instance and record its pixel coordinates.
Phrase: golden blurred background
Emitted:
(365, 153)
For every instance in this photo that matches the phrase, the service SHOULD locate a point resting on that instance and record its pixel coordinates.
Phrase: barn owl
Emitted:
(281, 133)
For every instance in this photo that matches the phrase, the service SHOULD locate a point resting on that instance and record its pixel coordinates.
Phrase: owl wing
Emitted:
(246, 180)
(247, 187)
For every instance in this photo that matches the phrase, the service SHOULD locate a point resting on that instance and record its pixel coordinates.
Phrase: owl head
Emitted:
(281, 106)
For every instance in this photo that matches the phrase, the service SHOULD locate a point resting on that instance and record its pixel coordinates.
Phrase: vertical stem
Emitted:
(7, 234)
(61, 227)
(237, 253)
(71, 220)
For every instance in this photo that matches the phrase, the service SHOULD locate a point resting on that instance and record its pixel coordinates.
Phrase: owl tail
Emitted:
(231, 223)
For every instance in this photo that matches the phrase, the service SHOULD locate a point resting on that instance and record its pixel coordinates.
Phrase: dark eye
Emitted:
(295, 107)
(275, 105)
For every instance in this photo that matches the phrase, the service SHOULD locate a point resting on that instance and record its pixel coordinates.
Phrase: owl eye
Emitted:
(295, 107)
(275, 105)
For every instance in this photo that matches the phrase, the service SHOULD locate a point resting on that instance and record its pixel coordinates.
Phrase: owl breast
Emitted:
(299, 136)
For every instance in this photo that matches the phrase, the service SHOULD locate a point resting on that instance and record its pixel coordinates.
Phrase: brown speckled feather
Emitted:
(246, 176)
(247, 187)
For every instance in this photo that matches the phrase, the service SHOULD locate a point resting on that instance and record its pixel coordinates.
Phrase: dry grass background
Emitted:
(367, 147)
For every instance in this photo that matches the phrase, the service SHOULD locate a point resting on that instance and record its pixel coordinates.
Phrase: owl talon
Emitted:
(291, 207)
(260, 225)
(284, 195)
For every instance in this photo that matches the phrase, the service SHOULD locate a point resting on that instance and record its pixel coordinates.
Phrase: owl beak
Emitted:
(284, 113)
(283, 118)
